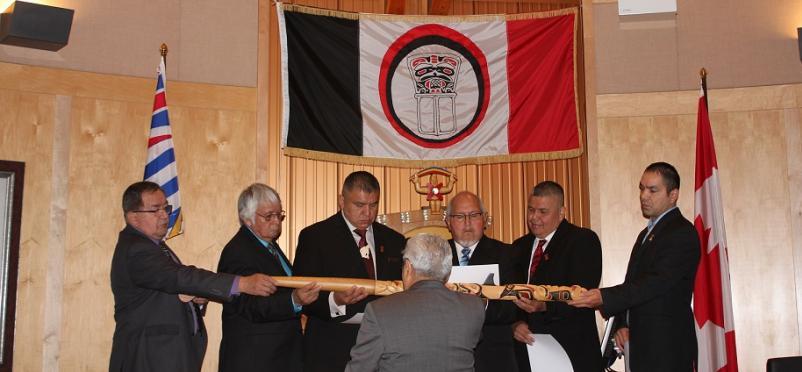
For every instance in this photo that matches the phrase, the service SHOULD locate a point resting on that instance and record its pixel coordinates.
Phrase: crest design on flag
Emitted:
(435, 78)
(437, 112)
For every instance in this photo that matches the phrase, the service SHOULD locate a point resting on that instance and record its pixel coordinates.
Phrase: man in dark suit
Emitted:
(349, 244)
(653, 305)
(261, 332)
(557, 252)
(424, 328)
(466, 219)
(159, 324)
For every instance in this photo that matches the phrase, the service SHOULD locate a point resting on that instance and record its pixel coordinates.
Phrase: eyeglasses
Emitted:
(280, 216)
(167, 209)
(473, 216)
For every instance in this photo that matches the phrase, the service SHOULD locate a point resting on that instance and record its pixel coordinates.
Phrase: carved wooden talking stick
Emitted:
(491, 292)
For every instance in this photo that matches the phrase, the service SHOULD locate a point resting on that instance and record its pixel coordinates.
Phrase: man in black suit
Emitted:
(261, 332)
(466, 219)
(349, 244)
(557, 252)
(653, 305)
(159, 324)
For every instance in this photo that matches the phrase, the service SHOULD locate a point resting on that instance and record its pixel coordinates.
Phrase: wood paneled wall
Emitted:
(83, 138)
(759, 148)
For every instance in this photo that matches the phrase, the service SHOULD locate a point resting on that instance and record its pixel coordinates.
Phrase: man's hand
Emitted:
(200, 300)
(621, 337)
(530, 306)
(521, 332)
(257, 285)
(591, 298)
(351, 296)
(306, 294)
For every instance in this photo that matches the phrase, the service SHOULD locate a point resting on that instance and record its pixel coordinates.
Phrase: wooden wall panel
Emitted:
(107, 139)
(104, 150)
(26, 134)
(750, 129)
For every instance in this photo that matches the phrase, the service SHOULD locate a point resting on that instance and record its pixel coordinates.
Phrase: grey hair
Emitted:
(430, 256)
(252, 197)
(450, 207)
(549, 188)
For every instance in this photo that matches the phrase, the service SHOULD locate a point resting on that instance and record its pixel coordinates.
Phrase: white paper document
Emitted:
(546, 355)
(479, 274)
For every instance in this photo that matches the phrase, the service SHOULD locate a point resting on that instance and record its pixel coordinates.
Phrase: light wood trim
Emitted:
(123, 88)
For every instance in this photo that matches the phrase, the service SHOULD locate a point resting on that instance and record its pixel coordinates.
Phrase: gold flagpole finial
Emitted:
(163, 50)
(703, 73)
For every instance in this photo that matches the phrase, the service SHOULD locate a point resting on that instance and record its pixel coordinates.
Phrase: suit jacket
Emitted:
(327, 248)
(656, 293)
(495, 349)
(258, 332)
(155, 331)
(573, 256)
(425, 328)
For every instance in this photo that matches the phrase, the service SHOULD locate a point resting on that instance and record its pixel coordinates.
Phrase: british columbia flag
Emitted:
(161, 167)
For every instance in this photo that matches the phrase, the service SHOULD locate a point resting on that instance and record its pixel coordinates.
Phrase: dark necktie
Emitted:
(274, 251)
(536, 258)
(191, 304)
(367, 259)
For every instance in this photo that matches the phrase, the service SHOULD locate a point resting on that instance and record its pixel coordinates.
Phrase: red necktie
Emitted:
(536, 258)
(367, 261)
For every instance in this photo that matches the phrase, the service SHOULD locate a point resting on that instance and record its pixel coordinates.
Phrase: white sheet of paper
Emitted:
(546, 355)
(474, 274)
(356, 319)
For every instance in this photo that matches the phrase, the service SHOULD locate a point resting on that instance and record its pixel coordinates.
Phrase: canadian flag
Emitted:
(712, 299)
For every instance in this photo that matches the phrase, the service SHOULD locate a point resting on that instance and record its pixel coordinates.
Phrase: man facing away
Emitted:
(156, 330)
(653, 305)
(466, 219)
(349, 244)
(426, 327)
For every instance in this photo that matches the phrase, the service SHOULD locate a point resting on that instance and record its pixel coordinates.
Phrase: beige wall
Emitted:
(210, 41)
(740, 42)
(757, 137)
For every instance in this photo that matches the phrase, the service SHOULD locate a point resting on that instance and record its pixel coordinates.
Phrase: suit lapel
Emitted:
(641, 249)
(262, 253)
(483, 254)
(349, 250)
(380, 260)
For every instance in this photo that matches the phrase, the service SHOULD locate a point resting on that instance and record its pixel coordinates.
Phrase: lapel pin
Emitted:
(651, 237)
(381, 249)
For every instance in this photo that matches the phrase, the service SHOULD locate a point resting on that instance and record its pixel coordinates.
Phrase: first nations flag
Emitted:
(415, 90)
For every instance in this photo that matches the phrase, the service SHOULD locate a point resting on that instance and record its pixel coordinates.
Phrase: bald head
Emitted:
(465, 218)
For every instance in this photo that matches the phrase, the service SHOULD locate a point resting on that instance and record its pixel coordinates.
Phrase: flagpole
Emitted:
(163, 52)
(702, 74)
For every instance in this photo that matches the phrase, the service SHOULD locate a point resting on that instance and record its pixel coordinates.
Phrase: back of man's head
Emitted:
(668, 172)
(430, 257)
(132, 196)
(361, 180)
